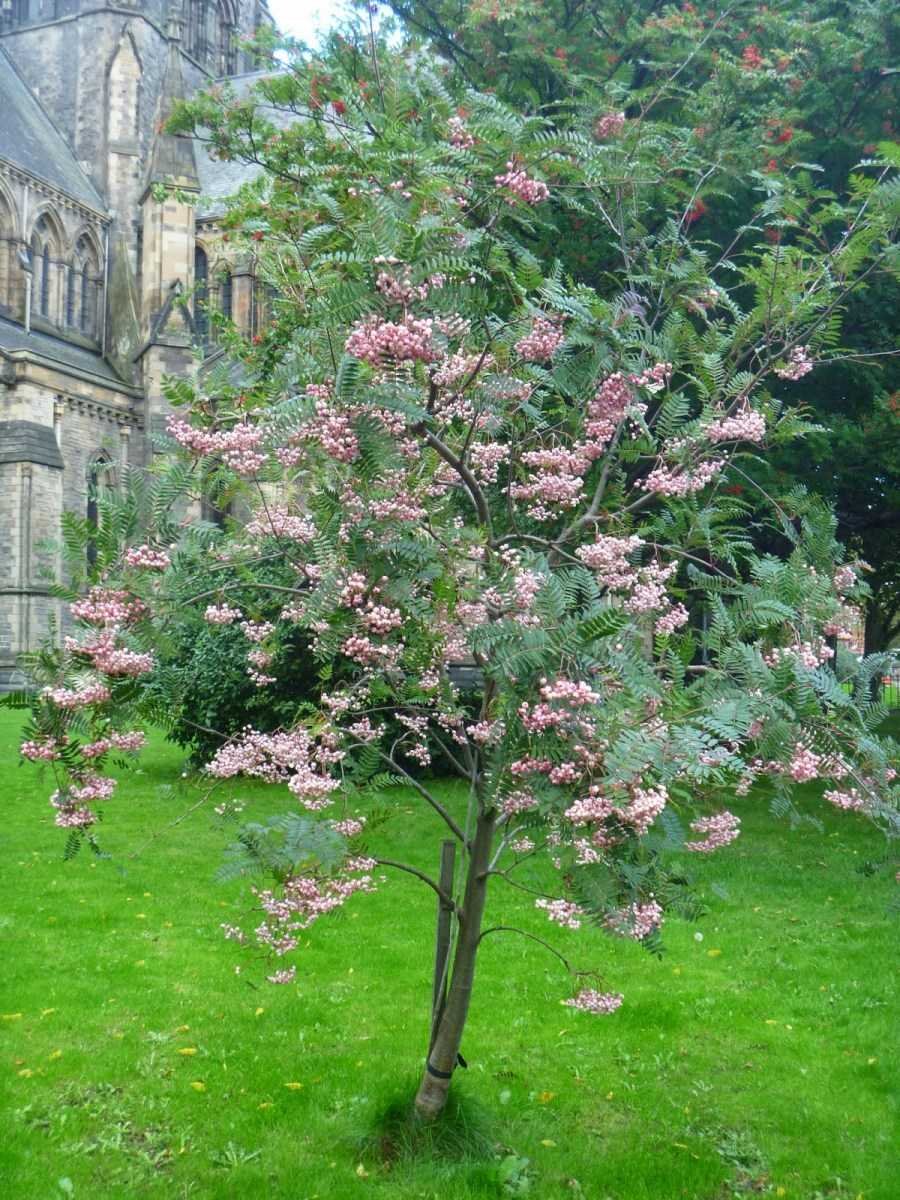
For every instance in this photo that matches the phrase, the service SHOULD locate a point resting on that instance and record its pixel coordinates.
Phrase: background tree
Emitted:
(769, 87)
(466, 455)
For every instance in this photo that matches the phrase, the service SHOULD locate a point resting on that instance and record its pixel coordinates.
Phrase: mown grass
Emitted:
(758, 1060)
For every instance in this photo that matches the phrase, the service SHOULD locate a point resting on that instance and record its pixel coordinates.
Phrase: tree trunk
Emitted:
(435, 1086)
(876, 634)
(876, 640)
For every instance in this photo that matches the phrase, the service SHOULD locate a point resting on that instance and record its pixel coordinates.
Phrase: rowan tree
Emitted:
(513, 508)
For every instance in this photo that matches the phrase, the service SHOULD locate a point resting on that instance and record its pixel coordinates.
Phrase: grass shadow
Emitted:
(397, 1135)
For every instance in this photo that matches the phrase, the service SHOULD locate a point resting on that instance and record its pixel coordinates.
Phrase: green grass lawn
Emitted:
(756, 1059)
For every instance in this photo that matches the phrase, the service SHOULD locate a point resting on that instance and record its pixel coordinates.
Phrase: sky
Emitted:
(305, 18)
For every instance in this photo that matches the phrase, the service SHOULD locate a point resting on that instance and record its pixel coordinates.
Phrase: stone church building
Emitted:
(91, 263)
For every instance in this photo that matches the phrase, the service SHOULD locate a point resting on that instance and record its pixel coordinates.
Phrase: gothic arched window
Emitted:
(226, 39)
(196, 19)
(264, 296)
(226, 295)
(8, 262)
(201, 296)
(44, 264)
(90, 285)
(100, 481)
(12, 13)
(83, 288)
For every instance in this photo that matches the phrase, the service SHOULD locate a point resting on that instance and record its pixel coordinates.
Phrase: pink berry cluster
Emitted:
(555, 481)
(561, 912)
(720, 830)
(643, 806)
(610, 557)
(300, 901)
(240, 447)
(849, 799)
(609, 405)
(798, 364)
(636, 921)
(133, 740)
(522, 186)
(84, 696)
(844, 579)
(293, 756)
(108, 606)
(679, 481)
(147, 557)
(591, 1001)
(458, 135)
(675, 618)
(747, 426)
(541, 342)
(517, 802)
(653, 379)
(805, 764)
(486, 458)
(377, 341)
(222, 614)
(401, 290)
(810, 654)
(275, 520)
(610, 125)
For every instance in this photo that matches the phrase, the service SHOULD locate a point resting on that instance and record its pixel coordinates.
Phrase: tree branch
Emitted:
(532, 937)
(433, 884)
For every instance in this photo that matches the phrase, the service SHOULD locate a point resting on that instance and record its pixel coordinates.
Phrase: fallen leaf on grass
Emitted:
(56, 1054)
(713, 953)
(548, 1142)
(545, 1097)
(187, 1051)
(293, 1086)
(198, 1085)
(362, 1172)
(12, 1016)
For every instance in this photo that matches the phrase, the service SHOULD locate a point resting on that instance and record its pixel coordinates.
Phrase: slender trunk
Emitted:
(875, 641)
(435, 1085)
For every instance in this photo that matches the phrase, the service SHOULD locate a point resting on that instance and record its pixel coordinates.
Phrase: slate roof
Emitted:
(218, 179)
(29, 139)
(55, 351)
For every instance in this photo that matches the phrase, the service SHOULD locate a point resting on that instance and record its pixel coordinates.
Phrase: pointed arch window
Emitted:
(12, 13)
(100, 482)
(226, 39)
(226, 295)
(44, 260)
(71, 290)
(201, 296)
(196, 19)
(84, 288)
(264, 296)
(8, 262)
